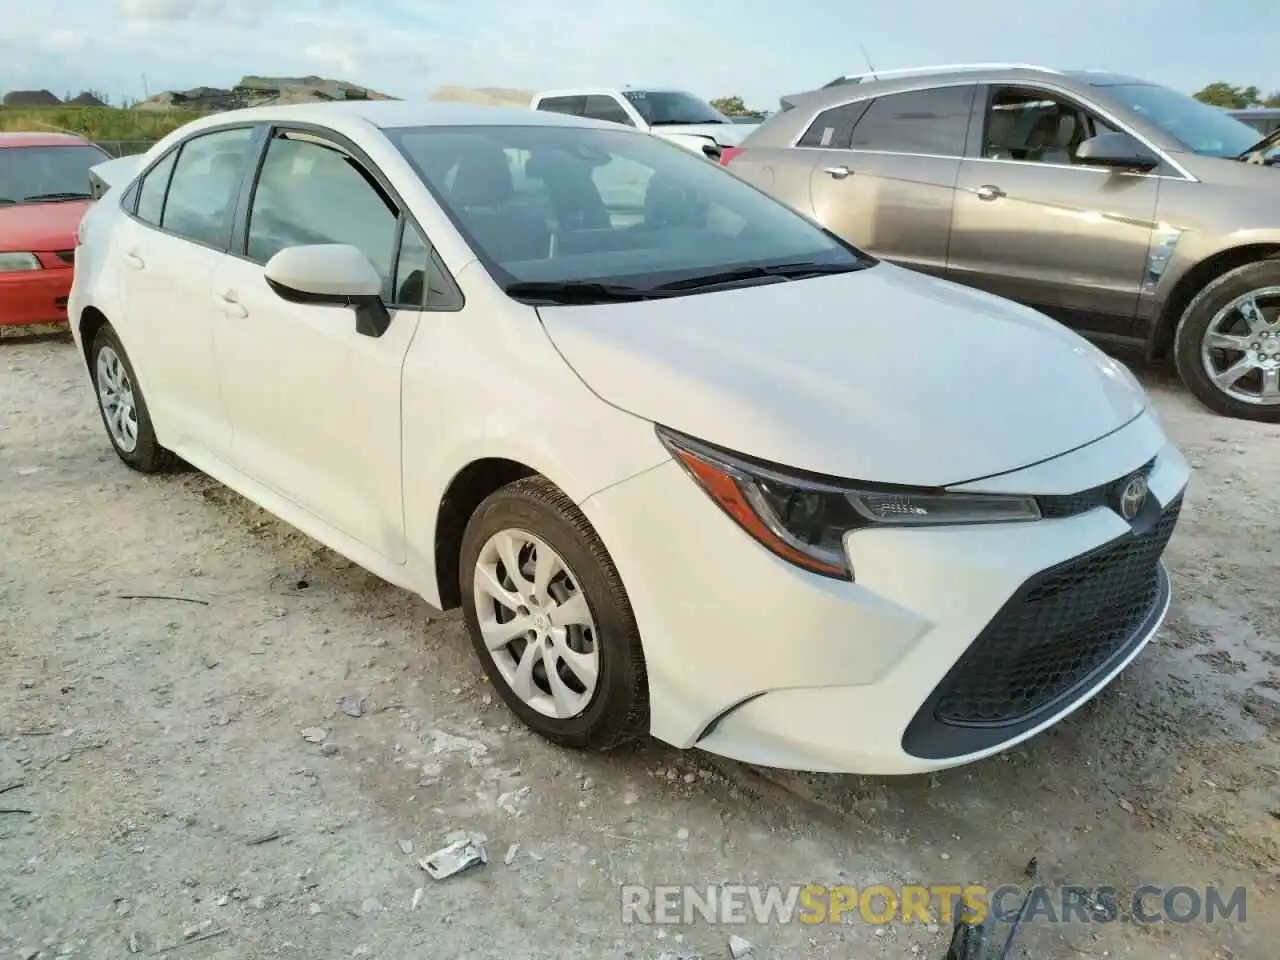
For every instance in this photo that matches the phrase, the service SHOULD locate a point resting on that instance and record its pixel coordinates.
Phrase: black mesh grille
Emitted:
(1104, 495)
(66, 256)
(1058, 631)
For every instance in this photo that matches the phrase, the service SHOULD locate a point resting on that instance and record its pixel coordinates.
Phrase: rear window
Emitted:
(566, 204)
(922, 121)
(47, 174)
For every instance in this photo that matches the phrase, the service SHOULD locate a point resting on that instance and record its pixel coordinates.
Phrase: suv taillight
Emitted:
(728, 153)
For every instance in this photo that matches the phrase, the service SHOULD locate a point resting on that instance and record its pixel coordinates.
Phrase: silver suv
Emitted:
(1124, 209)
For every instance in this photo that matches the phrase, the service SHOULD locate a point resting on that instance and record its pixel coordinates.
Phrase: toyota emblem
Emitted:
(1133, 497)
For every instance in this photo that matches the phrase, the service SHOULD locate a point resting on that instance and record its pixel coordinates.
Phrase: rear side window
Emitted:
(605, 108)
(833, 128)
(205, 185)
(920, 121)
(154, 187)
(570, 105)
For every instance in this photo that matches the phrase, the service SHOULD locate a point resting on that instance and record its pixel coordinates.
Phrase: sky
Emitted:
(753, 48)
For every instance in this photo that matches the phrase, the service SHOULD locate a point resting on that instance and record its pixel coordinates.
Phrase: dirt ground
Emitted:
(158, 795)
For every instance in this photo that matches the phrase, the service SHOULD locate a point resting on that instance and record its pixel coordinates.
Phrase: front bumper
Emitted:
(754, 659)
(35, 296)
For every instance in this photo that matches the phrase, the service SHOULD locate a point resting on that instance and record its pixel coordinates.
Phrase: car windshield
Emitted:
(577, 205)
(1198, 127)
(46, 174)
(667, 107)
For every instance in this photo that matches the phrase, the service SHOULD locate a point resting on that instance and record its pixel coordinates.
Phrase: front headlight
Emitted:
(804, 520)
(18, 262)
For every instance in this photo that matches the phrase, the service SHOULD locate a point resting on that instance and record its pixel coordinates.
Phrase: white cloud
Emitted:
(171, 9)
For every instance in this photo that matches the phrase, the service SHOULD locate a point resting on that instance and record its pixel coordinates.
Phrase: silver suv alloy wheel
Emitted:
(1240, 350)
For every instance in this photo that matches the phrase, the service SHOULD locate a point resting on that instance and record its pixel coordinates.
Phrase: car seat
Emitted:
(481, 196)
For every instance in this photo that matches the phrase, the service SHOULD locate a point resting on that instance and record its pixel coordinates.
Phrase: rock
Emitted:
(196, 929)
(511, 854)
(329, 749)
(682, 833)
(352, 706)
(258, 903)
(1125, 805)
(371, 905)
(588, 783)
(123, 907)
(314, 734)
(418, 894)
(314, 909)
(361, 951)
(689, 778)
(944, 856)
(406, 846)
(741, 947)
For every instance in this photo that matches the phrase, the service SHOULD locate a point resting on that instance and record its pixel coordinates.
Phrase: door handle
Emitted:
(133, 260)
(231, 306)
(837, 173)
(989, 191)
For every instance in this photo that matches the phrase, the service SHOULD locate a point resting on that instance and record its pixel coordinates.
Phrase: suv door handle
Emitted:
(231, 306)
(133, 260)
(837, 173)
(989, 191)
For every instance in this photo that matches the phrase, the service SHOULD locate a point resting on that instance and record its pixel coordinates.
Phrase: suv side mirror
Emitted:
(1120, 151)
(332, 275)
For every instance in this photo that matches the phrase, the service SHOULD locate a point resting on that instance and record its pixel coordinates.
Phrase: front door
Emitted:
(170, 249)
(884, 172)
(315, 405)
(1032, 224)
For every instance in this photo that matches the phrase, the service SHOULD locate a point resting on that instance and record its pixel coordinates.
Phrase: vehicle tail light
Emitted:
(728, 153)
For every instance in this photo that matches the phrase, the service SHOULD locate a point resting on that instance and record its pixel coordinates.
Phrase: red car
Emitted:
(44, 191)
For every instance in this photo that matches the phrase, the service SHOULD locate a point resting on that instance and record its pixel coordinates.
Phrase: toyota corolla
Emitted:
(690, 465)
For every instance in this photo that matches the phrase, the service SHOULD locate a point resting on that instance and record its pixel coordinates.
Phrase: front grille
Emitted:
(66, 256)
(1103, 495)
(1065, 626)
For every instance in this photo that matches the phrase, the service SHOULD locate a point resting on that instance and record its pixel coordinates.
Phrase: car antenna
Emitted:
(868, 59)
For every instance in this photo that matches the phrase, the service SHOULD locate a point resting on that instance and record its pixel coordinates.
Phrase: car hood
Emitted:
(879, 375)
(725, 134)
(40, 227)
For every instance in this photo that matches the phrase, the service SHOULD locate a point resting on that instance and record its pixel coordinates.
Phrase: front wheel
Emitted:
(550, 619)
(1227, 346)
(123, 408)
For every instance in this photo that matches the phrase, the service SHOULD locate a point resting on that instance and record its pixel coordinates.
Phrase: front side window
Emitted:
(46, 174)
(1198, 127)
(567, 205)
(1036, 127)
(605, 108)
(671, 107)
(205, 184)
(931, 122)
(572, 106)
(312, 192)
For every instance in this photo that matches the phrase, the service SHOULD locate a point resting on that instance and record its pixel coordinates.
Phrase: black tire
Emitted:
(1195, 323)
(618, 711)
(147, 456)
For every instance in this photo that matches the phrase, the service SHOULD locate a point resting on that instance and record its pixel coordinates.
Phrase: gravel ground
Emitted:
(159, 795)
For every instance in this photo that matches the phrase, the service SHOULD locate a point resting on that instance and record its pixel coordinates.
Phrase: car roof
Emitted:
(40, 139)
(395, 114)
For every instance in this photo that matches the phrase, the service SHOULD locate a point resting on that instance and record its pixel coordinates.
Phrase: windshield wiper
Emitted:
(57, 196)
(1262, 146)
(780, 271)
(682, 123)
(575, 291)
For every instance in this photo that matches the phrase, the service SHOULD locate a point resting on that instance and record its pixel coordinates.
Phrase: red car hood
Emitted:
(40, 227)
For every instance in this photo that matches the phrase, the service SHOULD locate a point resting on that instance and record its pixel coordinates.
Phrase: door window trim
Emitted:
(987, 85)
(327, 137)
(129, 201)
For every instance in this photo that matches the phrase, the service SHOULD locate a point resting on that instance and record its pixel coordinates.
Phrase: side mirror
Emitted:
(1118, 150)
(333, 275)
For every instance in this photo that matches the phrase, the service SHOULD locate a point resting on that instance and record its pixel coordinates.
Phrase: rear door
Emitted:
(885, 171)
(1034, 225)
(170, 246)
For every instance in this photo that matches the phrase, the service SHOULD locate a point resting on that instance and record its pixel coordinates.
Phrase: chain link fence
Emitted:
(125, 148)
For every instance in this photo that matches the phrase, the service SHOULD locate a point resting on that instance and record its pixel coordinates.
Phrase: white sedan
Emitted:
(690, 465)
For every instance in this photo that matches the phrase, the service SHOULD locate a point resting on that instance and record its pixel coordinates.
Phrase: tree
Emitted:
(733, 107)
(1229, 97)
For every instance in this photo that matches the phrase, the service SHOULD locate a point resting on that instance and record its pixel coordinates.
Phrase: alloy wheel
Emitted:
(115, 394)
(1240, 350)
(536, 623)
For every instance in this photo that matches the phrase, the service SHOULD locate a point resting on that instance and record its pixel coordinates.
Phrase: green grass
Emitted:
(97, 123)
